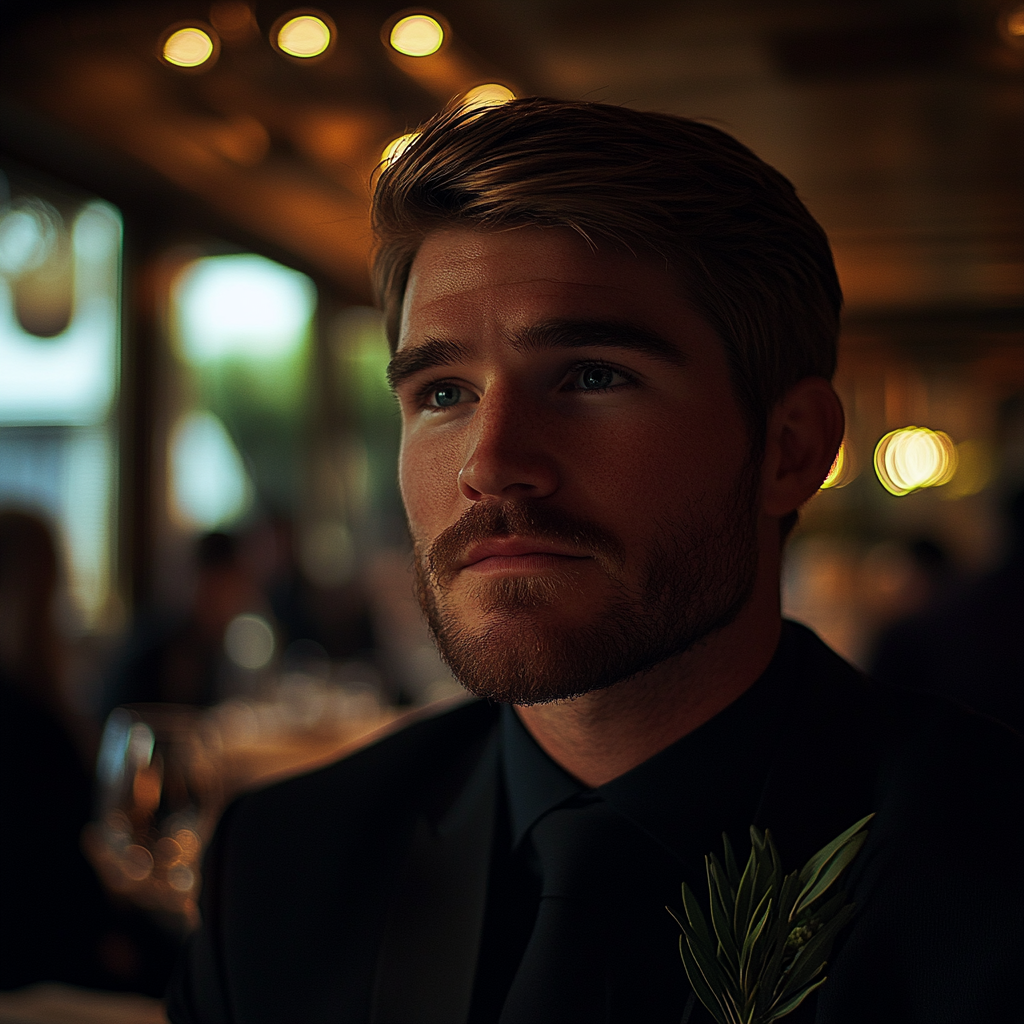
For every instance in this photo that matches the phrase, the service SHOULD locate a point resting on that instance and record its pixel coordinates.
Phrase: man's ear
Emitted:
(805, 430)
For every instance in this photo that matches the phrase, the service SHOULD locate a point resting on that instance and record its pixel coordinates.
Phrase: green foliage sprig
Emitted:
(770, 935)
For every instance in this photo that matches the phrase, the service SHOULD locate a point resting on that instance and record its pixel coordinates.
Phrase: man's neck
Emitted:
(602, 735)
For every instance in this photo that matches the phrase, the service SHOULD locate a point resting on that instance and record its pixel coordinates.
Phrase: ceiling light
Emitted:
(394, 149)
(189, 47)
(490, 95)
(304, 35)
(417, 35)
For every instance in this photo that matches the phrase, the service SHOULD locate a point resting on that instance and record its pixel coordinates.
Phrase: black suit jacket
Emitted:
(357, 893)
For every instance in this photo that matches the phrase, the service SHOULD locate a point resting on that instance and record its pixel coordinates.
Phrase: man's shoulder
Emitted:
(919, 748)
(392, 771)
(887, 713)
(936, 884)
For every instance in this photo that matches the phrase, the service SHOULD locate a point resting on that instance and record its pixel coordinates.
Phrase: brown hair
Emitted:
(755, 263)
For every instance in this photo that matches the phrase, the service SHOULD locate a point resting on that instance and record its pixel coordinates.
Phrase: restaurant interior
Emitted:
(205, 575)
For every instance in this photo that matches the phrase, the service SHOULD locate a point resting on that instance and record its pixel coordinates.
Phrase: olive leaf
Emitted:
(770, 935)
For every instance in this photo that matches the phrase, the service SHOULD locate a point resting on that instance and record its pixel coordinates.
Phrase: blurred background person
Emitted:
(50, 899)
(56, 922)
(179, 657)
(330, 610)
(967, 644)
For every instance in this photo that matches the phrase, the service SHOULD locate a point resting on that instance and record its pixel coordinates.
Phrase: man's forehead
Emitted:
(465, 269)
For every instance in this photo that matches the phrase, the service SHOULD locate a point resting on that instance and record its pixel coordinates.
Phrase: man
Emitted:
(613, 335)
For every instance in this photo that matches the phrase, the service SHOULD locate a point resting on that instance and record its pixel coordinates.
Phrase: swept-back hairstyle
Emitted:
(750, 257)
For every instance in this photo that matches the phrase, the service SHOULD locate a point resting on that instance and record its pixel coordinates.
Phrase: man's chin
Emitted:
(518, 676)
(527, 658)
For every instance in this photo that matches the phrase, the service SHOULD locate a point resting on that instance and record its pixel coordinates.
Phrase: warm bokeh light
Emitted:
(137, 863)
(304, 36)
(912, 458)
(418, 35)
(188, 47)
(394, 149)
(841, 472)
(490, 95)
(1015, 22)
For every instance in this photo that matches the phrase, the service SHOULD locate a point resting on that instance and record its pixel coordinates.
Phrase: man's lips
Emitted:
(515, 553)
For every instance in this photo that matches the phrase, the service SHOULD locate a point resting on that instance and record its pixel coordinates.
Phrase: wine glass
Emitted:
(159, 795)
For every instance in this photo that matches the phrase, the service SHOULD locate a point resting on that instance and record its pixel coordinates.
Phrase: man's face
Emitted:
(574, 464)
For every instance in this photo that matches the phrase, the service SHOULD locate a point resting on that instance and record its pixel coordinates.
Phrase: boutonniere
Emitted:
(770, 935)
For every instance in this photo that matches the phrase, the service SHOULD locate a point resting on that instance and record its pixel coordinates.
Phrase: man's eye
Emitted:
(597, 378)
(445, 396)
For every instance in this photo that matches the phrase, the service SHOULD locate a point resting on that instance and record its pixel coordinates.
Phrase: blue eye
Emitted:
(445, 396)
(595, 378)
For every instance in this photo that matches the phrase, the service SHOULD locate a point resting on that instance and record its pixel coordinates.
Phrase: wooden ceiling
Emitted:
(899, 122)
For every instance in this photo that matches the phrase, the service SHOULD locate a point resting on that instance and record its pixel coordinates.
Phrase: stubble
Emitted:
(697, 573)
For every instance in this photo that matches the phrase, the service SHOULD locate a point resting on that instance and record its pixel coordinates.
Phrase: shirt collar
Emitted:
(722, 763)
(533, 782)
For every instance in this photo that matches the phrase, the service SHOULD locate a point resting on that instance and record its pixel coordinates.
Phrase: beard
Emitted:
(697, 572)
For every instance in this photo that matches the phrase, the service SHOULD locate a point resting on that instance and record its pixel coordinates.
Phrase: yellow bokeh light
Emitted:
(394, 149)
(490, 95)
(841, 472)
(1015, 22)
(912, 458)
(418, 35)
(304, 36)
(188, 47)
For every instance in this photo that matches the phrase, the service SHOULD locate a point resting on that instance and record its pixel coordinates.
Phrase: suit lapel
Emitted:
(428, 955)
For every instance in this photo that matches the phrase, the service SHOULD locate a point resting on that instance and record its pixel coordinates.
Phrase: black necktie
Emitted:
(603, 949)
(562, 976)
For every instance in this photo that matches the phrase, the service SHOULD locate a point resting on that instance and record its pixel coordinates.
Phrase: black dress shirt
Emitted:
(669, 813)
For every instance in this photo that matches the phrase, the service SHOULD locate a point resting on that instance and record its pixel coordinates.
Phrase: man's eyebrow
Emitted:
(433, 352)
(584, 333)
(557, 333)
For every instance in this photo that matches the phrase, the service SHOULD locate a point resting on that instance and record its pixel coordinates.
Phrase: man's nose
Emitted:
(509, 454)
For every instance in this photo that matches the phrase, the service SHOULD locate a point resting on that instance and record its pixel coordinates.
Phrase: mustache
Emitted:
(484, 521)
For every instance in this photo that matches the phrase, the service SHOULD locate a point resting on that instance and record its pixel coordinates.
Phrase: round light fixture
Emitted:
(492, 94)
(303, 35)
(396, 147)
(417, 35)
(190, 46)
(912, 458)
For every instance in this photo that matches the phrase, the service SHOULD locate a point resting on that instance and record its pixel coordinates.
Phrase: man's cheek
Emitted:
(428, 488)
